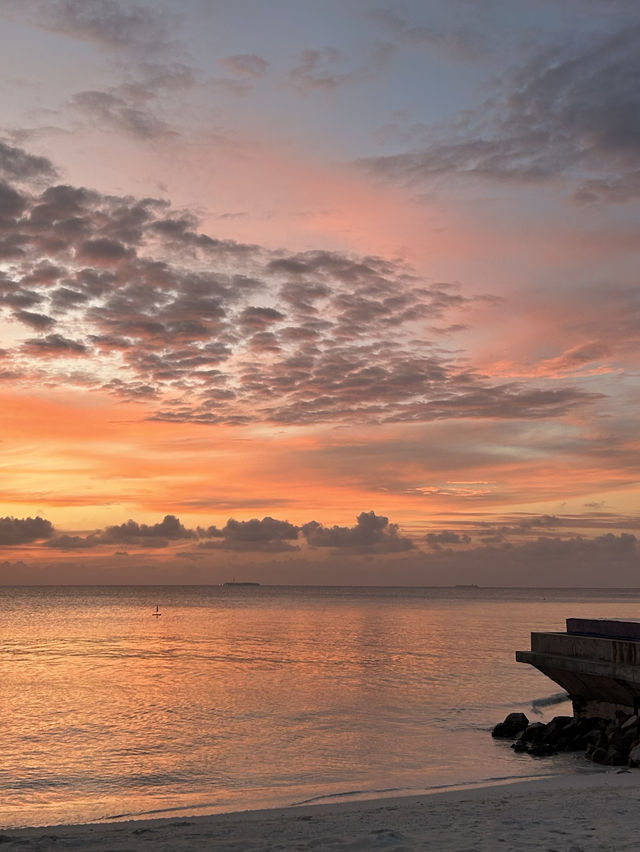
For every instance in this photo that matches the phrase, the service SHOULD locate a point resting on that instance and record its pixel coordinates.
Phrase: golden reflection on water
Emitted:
(235, 698)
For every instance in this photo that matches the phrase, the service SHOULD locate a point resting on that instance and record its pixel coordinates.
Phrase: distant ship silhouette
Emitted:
(239, 583)
(157, 613)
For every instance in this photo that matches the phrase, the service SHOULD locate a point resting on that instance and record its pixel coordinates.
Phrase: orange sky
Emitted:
(255, 277)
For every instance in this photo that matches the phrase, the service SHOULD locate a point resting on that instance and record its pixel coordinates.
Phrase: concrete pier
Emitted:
(597, 661)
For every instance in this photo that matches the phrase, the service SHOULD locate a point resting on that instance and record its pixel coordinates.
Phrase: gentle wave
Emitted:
(401, 792)
(549, 701)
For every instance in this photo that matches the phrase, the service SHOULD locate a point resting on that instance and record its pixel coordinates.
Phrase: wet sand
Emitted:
(571, 814)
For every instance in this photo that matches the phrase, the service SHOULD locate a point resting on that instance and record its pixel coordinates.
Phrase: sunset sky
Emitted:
(307, 292)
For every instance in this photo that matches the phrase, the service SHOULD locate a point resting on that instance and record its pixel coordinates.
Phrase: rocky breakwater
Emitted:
(609, 742)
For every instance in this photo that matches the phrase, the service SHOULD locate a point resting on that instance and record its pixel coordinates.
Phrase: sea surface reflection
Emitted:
(243, 697)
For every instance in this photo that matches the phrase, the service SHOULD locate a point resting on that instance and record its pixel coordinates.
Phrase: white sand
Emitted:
(573, 814)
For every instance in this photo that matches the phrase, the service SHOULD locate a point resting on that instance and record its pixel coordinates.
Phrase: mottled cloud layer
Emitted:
(126, 295)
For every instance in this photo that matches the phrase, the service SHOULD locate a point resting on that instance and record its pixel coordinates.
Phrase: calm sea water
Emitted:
(245, 697)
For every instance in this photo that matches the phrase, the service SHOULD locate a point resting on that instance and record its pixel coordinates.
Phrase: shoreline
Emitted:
(578, 812)
(269, 803)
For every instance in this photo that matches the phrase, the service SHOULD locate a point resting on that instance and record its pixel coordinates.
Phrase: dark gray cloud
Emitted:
(259, 318)
(18, 165)
(139, 106)
(110, 23)
(119, 113)
(266, 535)
(572, 112)
(132, 533)
(372, 533)
(218, 331)
(544, 561)
(263, 535)
(144, 37)
(53, 345)
(24, 530)
(516, 528)
(266, 529)
(102, 252)
(446, 537)
(12, 204)
(152, 535)
(39, 322)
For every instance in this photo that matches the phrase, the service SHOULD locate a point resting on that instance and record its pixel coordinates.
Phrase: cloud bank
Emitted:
(372, 533)
(373, 551)
(24, 530)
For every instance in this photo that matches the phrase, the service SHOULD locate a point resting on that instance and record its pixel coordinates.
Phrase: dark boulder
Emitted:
(616, 757)
(622, 739)
(511, 727)
(594, 738)
(534, 733)
(556, 728)
(541, 750)
(634, 756)
(605, 741)
(599, 755)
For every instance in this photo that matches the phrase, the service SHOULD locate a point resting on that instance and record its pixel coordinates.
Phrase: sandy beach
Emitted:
(572, 814)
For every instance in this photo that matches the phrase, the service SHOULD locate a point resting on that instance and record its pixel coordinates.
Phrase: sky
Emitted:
(320, 292)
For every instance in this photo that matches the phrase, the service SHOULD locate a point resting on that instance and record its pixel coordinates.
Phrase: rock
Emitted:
(612, 743)
(611, 729)
(570, 734)
(634, 756)
(511, 727)
(623, 739)
(541, 750)
(557, 727)
(599, 755)
(631, 731)
(594, 738)
(534, 733)
(615, 757)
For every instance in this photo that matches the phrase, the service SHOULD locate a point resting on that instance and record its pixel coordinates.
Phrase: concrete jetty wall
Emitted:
(597, 661)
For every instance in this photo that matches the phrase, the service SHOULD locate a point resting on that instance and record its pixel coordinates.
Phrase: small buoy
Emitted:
(157, 613)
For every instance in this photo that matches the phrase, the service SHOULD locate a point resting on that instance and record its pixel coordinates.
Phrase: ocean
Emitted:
(243, 697)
